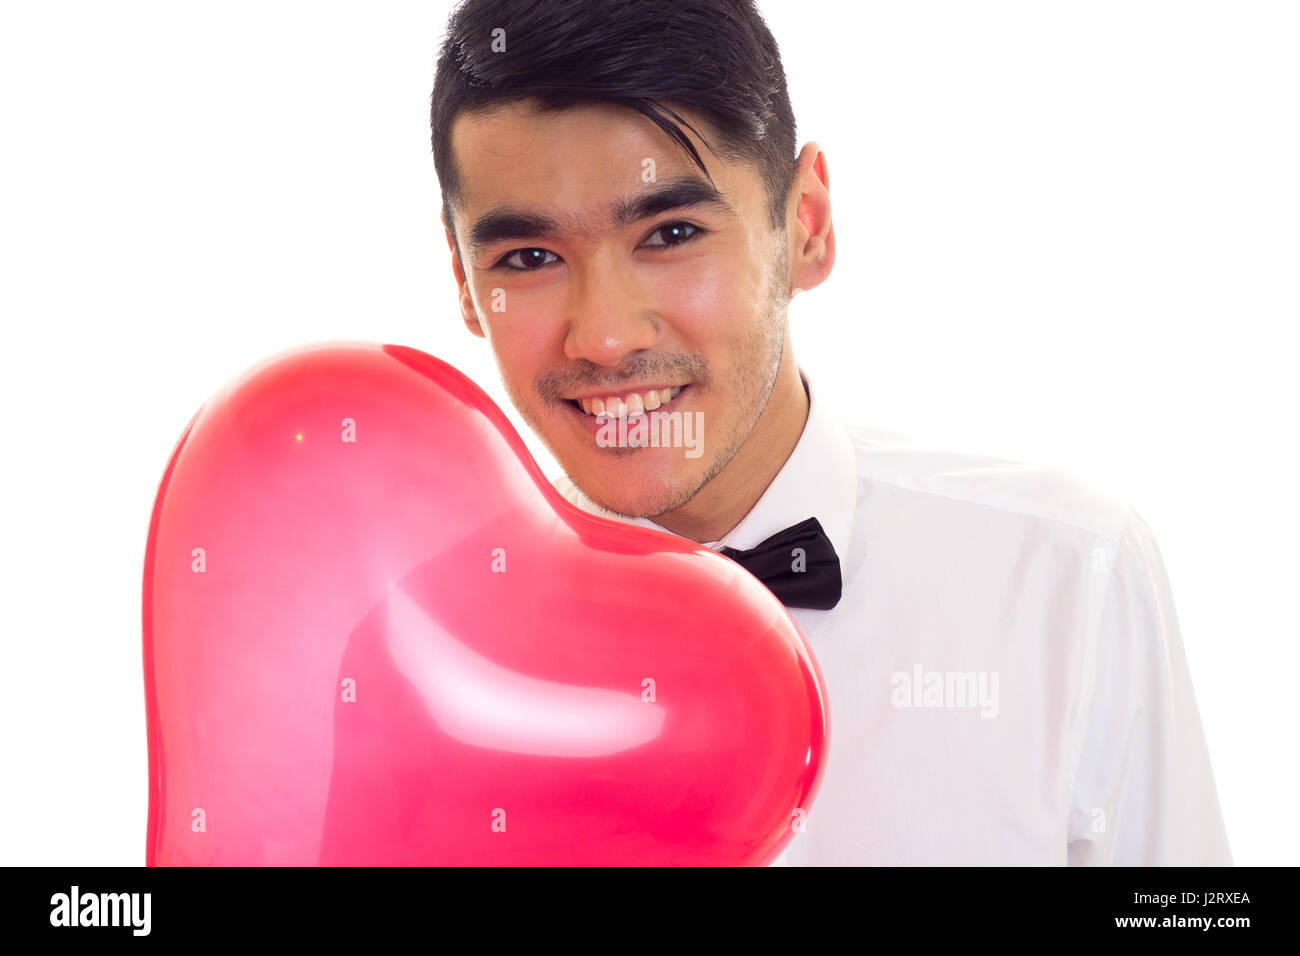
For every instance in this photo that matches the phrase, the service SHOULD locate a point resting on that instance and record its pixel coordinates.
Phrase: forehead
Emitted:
(577, 159)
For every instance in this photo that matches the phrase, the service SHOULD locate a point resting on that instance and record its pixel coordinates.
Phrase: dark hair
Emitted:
(716, 57)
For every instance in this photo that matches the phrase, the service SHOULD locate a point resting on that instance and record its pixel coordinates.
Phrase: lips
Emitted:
(628, 404)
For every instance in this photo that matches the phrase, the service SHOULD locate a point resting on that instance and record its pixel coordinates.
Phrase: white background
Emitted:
(1067, 234)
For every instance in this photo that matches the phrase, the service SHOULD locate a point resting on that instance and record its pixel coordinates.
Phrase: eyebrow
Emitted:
(506, 223)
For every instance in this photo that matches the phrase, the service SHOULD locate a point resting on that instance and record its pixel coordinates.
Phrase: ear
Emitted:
(808, 224)
(468, 311)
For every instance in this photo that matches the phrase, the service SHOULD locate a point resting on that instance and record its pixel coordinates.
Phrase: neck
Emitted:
(719, 505)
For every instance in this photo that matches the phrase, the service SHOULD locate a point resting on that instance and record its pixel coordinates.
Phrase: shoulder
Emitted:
(962, 482)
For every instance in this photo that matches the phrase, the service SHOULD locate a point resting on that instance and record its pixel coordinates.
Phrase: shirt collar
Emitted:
(819, 480)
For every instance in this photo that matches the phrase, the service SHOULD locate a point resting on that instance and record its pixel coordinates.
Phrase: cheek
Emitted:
(518, 354)
(520, 320)
(710, 299)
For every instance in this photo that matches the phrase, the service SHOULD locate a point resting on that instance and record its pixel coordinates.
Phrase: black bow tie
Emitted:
(807, 579)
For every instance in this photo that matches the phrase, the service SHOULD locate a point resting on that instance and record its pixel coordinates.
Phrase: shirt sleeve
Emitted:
(1144, 792)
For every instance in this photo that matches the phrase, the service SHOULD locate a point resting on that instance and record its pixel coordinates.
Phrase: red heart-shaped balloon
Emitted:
(374, 634)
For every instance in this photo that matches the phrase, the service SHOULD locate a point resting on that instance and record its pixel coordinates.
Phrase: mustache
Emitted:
(650, 367)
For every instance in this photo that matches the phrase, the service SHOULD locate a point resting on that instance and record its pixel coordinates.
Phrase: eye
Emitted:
(674, 234)
(530, 260)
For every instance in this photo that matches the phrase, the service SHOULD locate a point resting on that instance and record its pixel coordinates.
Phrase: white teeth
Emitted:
(630, 405)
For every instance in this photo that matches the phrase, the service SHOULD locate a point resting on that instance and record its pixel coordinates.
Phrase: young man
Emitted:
(629, 219)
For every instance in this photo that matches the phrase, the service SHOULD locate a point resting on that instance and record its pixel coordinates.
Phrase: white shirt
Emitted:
(1005, 672)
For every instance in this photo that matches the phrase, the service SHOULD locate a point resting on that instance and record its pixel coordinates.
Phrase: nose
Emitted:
(609, 315)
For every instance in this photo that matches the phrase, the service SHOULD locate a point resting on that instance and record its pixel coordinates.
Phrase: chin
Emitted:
(631, 492)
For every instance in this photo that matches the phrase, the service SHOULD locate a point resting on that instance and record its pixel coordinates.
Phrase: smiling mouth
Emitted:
(628, 404)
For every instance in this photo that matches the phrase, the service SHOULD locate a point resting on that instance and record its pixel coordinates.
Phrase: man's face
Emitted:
(603, 267)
